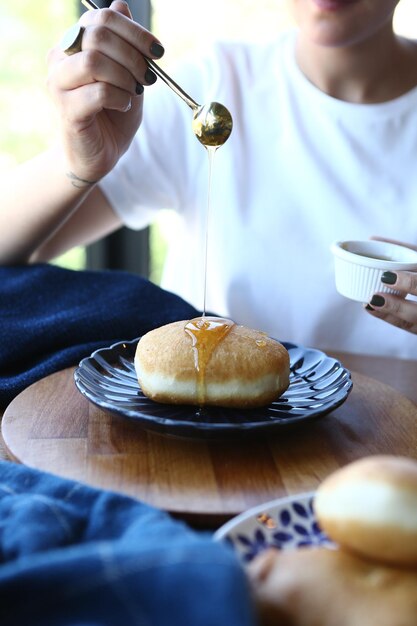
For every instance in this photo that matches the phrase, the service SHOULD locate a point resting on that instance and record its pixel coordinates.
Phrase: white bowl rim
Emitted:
(248, 514)
(358, 259)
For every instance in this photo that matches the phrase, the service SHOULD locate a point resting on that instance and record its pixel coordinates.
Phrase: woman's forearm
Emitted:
(38, 197)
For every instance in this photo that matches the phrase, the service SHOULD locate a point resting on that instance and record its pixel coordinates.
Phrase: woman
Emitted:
(323, 148)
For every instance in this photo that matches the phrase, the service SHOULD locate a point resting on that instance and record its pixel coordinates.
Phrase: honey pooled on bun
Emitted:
(211, 361)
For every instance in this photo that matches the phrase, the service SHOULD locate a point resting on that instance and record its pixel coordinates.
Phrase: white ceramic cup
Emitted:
(359, 266)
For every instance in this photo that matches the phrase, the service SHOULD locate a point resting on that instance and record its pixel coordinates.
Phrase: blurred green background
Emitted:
(27, 31)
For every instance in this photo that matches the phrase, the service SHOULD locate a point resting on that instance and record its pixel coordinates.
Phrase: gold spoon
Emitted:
(212, 123)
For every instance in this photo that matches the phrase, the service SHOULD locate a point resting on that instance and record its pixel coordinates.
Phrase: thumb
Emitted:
(394, 241)
(121, 7)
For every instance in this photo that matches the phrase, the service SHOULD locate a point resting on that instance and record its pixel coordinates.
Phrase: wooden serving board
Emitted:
(52, 427)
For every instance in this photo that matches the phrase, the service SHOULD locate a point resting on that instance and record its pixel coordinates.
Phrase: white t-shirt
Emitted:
(300, 170)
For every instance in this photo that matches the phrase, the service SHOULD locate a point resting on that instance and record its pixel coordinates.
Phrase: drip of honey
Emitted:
(211, 150)
(206, 334)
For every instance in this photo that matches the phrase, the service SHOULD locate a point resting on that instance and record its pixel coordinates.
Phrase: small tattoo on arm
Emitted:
(78, 182)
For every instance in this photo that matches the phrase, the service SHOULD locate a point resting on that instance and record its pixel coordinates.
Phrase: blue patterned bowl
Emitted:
(283, 524)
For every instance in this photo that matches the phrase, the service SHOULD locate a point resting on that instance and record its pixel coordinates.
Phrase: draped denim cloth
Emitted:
(71, 555)
(51, 317)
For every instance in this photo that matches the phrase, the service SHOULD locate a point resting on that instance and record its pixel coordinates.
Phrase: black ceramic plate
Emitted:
(318, 384)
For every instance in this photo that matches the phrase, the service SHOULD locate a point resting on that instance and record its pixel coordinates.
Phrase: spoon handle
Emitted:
(158, 71)
(171, 83)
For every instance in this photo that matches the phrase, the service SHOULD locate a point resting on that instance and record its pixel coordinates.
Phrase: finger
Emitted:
(122, 7)
(394, 309)
(89, 67)
(93, 98)
(394, 241)
(136, 35)
(393, 320)
(406, 282)
(98, 39)
(104, 56)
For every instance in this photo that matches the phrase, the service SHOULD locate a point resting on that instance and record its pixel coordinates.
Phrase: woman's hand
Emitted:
(98, 91)
(396, 309)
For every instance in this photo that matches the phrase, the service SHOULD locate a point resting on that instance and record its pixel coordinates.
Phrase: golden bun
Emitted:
(370, 507)
(211, 361)
(311, 586)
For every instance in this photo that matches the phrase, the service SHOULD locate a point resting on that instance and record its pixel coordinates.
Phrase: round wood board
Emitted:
(52, 427)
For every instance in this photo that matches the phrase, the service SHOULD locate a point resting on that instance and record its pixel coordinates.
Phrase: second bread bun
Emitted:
(211, 361)
(370, 507)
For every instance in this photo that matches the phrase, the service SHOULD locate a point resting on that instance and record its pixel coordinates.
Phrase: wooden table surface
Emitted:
(398, 373)
(51, 426)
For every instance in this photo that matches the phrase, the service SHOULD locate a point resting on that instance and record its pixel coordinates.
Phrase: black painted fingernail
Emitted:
(157, 50)
(389, 278)
(139, 89)
(369, 308)
(377, 300)
(150, 77)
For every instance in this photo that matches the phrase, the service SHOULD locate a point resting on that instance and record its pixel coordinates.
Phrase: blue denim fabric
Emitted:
(51, 317)
(71, 555)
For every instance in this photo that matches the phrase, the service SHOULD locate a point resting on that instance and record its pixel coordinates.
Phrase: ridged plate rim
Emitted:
(318, 384)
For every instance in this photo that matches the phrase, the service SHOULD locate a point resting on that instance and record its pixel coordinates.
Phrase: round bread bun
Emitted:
(240, 367)
(311, 586)
(370, 507)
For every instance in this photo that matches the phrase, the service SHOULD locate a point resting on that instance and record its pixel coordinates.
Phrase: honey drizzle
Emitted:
(206, 334)
(210, 152)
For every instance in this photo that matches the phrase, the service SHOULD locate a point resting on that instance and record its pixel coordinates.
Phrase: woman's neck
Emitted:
(376, 70)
